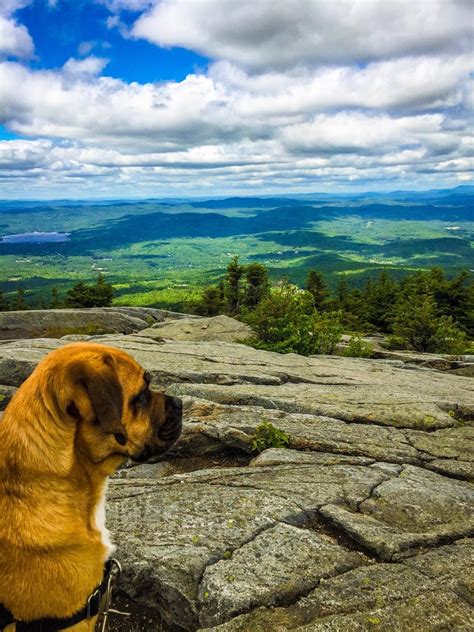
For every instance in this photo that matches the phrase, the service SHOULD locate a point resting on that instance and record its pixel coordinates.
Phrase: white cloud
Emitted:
(85, 47)
(284, 107)
(15, 40)
(358, 133)
(408, 84)
(83, 67)
(268, 34)
(8, 7)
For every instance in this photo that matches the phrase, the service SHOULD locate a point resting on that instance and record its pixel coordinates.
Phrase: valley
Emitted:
(161, 253)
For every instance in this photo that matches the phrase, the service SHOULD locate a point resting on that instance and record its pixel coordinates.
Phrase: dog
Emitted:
(83, 411)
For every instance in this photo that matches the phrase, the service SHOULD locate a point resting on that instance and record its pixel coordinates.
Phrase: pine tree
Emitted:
(317, 287)
(40, 303)
(418, 326)
(55, 301)
(233, 279)
(342, 293)
(379, 300)
(211, 302)
(4, 304)
(79, 296)
(257, 285)
(98, 295)
(19, 302)
(102, 292)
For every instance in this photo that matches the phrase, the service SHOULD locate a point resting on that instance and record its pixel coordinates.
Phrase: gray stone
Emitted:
(281, 563)
(371, 475)
(425, 592)
(349, 389)
(411, 510)
(146, 471)
(221, 328)
(280, 456)
(210, 426)
(6, 393)
(55, 323)
(169, 530)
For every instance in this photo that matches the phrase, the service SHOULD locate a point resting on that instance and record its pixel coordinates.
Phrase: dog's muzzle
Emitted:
(166, 434)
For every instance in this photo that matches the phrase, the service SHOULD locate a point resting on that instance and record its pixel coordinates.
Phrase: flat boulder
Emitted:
(216, 328)
(56, 323)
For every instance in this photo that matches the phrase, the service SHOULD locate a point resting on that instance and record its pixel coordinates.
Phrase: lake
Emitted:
(35, 237)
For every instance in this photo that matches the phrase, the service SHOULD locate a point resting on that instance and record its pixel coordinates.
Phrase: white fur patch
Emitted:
(100, 522)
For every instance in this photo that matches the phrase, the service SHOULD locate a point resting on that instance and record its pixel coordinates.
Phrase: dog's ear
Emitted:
(106, 396)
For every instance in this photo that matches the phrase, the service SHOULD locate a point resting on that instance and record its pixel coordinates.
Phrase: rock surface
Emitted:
(215, 328)
(362, 523)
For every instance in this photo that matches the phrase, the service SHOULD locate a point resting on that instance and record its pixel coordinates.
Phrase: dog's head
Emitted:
(107, 394)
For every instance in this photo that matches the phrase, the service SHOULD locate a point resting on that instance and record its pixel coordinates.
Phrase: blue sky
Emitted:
(79, 28)
(131, 98)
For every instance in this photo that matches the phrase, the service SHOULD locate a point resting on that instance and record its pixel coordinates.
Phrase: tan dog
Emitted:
(84, 409)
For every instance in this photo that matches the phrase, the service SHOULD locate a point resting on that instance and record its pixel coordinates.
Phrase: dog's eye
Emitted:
(141, 399)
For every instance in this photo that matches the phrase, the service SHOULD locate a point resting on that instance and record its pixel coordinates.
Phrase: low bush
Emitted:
(267, 436)
(358, 348)
(417, 326)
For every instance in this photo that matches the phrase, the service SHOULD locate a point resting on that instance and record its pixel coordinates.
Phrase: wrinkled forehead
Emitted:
(131, 373)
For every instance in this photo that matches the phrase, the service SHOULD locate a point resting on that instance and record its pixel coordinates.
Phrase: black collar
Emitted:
(52, 624)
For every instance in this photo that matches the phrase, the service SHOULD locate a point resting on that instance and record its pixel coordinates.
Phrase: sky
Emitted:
(163, 98)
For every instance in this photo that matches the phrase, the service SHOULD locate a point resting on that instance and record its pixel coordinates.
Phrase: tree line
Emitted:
(426, 311)
(98, 294)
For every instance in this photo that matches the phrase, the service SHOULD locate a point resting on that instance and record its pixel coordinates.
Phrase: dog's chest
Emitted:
(99, 520)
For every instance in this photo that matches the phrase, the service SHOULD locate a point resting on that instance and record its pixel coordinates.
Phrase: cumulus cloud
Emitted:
(15, 41)
(298, 95)
(358, 133)
(89, 66)
(268, 34)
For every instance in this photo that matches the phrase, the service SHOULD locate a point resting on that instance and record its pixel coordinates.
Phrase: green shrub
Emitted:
(418, 326)
(358, 348)
(267, 436)
(286, 321)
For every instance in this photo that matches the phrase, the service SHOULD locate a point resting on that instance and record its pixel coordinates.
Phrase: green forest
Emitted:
(164, 254)
(299, 270)
(426, 311)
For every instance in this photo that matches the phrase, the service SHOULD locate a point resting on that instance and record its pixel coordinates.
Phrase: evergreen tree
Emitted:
(19, 302)
(417, 325)
(342, 293)
(79, 296)
(233, 281)
(102, 292)
(350, 305)
(4, 304)
(379, 300)
(40, 303)
(211, 302)
(317, 287)
(257, 285)
(98, 295)
(55, 300)
(221, 288)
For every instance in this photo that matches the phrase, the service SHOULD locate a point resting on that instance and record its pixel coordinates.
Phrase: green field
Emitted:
(161, 254)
